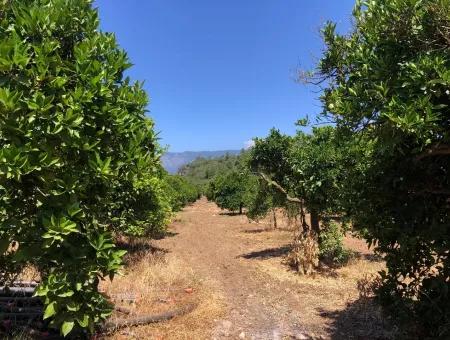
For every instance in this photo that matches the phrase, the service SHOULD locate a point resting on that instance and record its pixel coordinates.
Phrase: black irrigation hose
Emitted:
(15, 309)
(19, 315)
(16, 291)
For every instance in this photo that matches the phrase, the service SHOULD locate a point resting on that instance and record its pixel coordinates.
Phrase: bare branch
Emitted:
(145, 319)
(281, 189)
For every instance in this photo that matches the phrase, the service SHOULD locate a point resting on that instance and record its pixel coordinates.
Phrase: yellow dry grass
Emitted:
(155, 282)
(29, 273)
(326, 294)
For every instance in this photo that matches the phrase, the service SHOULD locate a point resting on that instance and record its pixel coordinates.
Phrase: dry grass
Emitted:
(336, 303)
(155, 282)
(339, 301)
(232, 270)
(29, 274)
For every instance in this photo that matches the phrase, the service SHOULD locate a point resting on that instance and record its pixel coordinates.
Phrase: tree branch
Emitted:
(113, 325)
(441, 192)
(438, 150)
(281, 189)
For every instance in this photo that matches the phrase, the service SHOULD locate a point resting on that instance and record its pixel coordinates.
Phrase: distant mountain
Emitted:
(173, 161)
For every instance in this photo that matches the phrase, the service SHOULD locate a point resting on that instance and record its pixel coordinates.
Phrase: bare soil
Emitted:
(232, 269)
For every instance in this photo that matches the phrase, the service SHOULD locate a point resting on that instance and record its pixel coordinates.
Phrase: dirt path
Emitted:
(258, 306)
(242, 263)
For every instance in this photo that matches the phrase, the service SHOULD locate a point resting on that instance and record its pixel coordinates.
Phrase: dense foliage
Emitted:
(79, 159)
(304, 171)
(306, 166)
(232, 190)
(202, 170)
(181, 191)
(388, 86)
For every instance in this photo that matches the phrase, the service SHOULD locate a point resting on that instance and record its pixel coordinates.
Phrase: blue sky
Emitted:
(219, 73)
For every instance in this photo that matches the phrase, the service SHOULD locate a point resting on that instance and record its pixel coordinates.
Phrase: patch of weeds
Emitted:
(331, 245)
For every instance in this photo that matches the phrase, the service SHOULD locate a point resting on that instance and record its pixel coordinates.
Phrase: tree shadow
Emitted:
(230, 213)
(267, 253)
(139, 248)
(362, 319)
(163, 234)
(327, 271)
(255, 231)
(370, 257)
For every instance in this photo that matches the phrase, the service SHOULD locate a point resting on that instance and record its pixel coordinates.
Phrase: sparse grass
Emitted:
(334, 299)
(156, 282)
(223, 272)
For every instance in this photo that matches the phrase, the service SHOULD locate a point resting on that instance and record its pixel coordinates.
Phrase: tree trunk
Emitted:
(240, 208)
(315, 225)
(275, 224)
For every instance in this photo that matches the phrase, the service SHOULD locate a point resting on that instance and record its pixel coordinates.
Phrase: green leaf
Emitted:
(74, 209)
(83, 322)
(73, 307)
(50, 310)
(66, 294)
(67, 327)
(42, 290)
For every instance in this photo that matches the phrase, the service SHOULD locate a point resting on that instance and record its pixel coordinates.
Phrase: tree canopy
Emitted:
(387, 86)
(79, 158)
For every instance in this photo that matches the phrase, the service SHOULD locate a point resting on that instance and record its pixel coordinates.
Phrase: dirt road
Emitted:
(242, 263)
(258, 306)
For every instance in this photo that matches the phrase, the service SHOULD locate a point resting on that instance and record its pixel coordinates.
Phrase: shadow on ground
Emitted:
(267, 253)
(255, 231)
(139, 248)
(230, 213)
(370, 257)
(361, 319)
(163, 234)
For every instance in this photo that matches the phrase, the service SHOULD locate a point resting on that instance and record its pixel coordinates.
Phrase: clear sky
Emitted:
(219, 73)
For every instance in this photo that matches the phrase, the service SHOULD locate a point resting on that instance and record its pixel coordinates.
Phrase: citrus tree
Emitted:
(79, 159)
(181, 191)
(305, 170)
(232, 190)
(388, 86)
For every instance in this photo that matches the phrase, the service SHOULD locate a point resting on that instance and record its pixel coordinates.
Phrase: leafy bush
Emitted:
(149, 207)
(331, 246)
(78, 157)
(305, 170)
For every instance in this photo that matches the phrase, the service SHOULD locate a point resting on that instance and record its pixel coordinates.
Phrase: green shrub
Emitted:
(331, 246)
